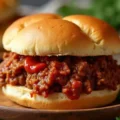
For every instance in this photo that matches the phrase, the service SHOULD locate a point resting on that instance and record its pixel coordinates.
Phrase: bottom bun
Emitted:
(21, 95)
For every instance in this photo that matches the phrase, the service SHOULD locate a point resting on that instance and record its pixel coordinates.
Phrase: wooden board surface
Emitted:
(12, 111)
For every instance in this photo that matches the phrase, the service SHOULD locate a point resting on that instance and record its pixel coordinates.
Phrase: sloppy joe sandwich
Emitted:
(60, 63)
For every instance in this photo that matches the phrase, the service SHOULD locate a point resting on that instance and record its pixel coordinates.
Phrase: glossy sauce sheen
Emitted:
(31, 65)
(69, 75)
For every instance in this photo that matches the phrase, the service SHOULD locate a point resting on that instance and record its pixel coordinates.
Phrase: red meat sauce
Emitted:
(70, 75)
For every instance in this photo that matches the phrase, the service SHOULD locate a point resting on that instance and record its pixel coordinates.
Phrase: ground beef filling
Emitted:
(67, 74)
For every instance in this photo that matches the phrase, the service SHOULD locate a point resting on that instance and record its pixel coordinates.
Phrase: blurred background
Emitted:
(33, 2)
(108, 10)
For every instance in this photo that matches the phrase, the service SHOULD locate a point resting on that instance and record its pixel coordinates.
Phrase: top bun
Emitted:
(48, 34)
(8, 8)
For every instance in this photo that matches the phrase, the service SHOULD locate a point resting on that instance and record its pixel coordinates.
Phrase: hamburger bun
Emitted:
(101, 34)
(21, 95)
(73, 35)
(29, 19)
(77, 35)
(57, 37)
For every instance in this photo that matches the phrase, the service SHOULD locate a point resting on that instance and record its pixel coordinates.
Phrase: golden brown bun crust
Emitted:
(21, 95)
(102, 34)
(46, 37)
(76, 35)
(18, 25)
(8, 9)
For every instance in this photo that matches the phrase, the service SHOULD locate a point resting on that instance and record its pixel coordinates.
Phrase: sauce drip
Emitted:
(32, 65)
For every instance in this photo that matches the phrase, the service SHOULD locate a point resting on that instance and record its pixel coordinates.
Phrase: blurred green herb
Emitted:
(117, 118)
(108, 10)
(69, 10)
